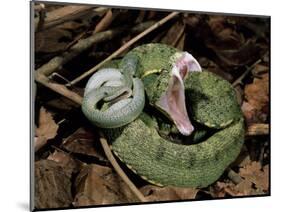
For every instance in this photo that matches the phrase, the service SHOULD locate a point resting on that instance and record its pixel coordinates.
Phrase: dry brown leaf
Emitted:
(62, 103)
(244, 188)
(254, 182)
(104, 22)
(257, 93)
(52, 185)
(247, 53)
(229, 44)
(260, 69)
(68, 164)
(174, 34)
(225, 35)
(52, 41)
(256, 174)
(256, 104)
(154, 193)
(180, 44)
(98, 185)
(249, 112)
(83, 141)
(47, 128)
(221, 189)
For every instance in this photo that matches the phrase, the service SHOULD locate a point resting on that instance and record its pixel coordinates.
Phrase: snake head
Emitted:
(172, 101)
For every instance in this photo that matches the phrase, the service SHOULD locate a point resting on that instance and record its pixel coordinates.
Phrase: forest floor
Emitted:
(71, 167)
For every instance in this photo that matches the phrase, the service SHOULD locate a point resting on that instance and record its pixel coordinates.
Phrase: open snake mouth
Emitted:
(173, 100)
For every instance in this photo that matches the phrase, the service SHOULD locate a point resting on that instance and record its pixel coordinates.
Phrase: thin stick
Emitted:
(239, 79)
(42, 14)
(67, 13)
(40, 76)
(180, 34)
(59, 88)
(117, 168)
(234, 176)
(104, 22)
(124, 47)
(39, 7)
(84, 44)
(101, 26)
(257, 129)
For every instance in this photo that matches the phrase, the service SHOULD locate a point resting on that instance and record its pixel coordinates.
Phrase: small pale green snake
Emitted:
(182, 96)
(109, 84)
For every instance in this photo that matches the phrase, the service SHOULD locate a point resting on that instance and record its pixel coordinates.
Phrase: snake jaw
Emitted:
(173, 101)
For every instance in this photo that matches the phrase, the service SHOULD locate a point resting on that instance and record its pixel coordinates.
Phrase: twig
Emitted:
(257, 129)
(101, 26)
(230, 192)
(40, 76)
(39, 7)
(66, 13)
(239, 79)
(42, 15)
(261, 156)
(233, 176)
(124, 47)
(59, 88)
(55, 74)
(117, 168)
(84, 44)
(180, 34)
(105, 22)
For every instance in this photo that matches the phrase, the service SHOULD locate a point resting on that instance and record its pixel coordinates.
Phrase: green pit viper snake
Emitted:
(154, 94)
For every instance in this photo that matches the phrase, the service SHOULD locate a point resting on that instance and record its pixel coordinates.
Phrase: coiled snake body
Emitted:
(193, 101)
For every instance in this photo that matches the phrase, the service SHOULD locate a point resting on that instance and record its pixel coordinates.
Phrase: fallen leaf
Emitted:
(256, 174)
(172, 36)
(47, 128)
(257, 93)
(260, 69)
(180, 44)
(222, 189)
(99, 185)
(246, 54)
(244, 188)
(84, 141)
(68, 164)
(217, 190)
(256, 105)
(105, 22)
(224, 34)
(62, 103)
(220, 39)
(52, 185)
(155, 193)
(52, 41)
(254, 181)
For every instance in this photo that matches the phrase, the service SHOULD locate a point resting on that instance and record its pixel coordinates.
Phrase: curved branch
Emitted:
(118, 169)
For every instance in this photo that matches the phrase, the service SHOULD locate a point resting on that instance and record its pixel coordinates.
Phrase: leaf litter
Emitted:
(74, 171)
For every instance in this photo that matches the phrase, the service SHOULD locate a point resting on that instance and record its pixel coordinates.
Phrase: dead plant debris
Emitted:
(74, 171)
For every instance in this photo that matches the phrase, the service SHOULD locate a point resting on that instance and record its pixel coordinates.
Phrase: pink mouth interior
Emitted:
(173, 101)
